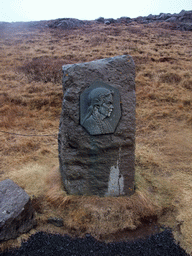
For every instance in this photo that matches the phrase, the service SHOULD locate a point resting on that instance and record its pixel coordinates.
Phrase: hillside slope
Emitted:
(30, 104)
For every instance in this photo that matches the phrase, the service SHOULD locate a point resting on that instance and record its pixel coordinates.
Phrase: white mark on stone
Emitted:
(121, 185)
(116, 181)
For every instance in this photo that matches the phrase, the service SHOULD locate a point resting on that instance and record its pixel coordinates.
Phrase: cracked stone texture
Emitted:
(16, 211)
(98, 164)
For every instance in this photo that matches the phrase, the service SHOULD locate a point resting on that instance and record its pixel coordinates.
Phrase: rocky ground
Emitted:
(181, 21)
(177, 21)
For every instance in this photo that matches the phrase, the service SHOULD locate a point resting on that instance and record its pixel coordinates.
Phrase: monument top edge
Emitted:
(118, 57)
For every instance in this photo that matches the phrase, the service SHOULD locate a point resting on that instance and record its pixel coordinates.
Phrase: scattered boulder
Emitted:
(151, 17)
(110, 21)
(100, 20)
(107, 22)
(185, 27)
(172, 19)
(185, 16)
(125, 20)
(16, 211)
(164, 16)
(181, 21)
(66, 23)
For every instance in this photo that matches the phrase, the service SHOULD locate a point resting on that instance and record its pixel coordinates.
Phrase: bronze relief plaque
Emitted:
(100, 109)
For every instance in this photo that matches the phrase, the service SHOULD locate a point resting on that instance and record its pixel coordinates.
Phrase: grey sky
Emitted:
(26, 10)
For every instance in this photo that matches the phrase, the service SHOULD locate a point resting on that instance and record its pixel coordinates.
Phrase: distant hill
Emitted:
(181, 21)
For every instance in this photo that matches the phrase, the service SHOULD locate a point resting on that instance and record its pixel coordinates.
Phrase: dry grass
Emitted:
(95, 215)
(30, 103)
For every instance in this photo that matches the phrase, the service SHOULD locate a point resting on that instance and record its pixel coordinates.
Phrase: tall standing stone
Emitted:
(97, 127)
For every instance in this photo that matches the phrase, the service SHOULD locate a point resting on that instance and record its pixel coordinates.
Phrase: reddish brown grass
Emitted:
(30, 104)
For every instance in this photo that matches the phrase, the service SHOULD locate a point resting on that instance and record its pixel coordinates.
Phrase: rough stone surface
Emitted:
(66, 23)
(98, 164)
(16, 211)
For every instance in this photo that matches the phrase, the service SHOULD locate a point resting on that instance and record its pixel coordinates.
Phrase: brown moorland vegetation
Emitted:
(30, 104)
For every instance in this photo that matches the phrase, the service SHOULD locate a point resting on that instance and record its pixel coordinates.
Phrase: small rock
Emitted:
(124, 20)
(58, 222)
(185, 27)
(100, 20)
(172, 19)
(107, 22)
(164, 16)
(151, 17)
(182, 13)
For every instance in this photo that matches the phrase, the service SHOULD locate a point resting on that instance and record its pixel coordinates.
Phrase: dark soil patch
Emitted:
(47, 244)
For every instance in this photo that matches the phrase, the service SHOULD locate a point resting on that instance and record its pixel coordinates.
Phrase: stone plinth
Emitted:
(97, 127)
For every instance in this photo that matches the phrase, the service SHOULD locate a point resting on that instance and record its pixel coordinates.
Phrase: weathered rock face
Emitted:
(66, 23)
(16, 211)
(98, 160)
(181, 21)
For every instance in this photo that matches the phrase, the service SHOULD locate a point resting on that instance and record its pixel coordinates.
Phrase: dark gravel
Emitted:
(161, 244)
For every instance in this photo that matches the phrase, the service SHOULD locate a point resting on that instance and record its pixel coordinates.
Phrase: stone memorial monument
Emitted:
(97, 127)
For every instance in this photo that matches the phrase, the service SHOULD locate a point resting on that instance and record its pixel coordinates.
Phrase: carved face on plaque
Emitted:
(100, 108)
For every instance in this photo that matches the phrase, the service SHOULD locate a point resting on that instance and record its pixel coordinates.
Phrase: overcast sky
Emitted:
(35, 10)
